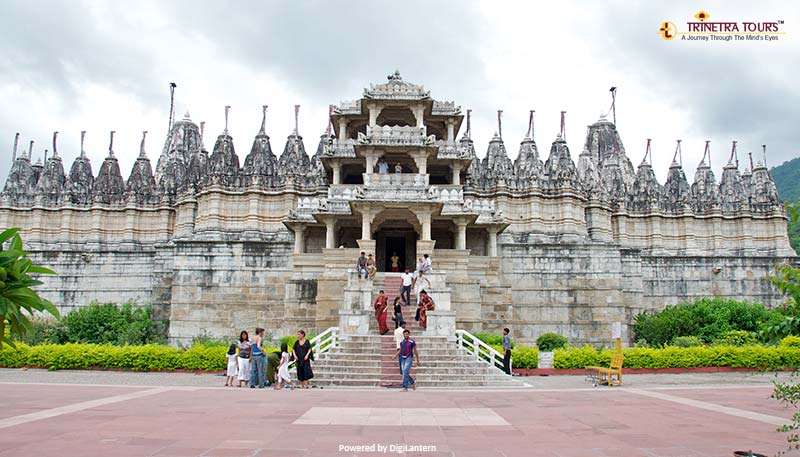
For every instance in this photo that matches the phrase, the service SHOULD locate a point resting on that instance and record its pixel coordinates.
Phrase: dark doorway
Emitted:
(395, 244)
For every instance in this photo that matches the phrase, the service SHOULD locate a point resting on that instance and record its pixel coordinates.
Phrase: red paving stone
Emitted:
(244, 422)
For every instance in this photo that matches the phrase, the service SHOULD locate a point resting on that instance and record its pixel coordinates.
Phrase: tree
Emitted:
(18, 301)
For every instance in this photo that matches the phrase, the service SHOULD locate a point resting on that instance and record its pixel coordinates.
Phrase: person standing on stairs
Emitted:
(395, 259)
(398, 337)
(397, 313)
(405, 290)
(381, 305)
(506, 351)
(371, 268)
(361, 265)
(407, 349)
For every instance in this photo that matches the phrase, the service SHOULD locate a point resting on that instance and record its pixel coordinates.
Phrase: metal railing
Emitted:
(323, 342)
(482, 351)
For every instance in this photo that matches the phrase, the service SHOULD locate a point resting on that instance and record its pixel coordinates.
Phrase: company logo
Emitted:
(702, 29)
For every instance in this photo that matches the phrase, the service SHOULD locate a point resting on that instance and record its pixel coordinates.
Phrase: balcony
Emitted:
(396, 135)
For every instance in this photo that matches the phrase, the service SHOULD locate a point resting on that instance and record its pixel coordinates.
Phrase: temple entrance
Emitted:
(400, 240)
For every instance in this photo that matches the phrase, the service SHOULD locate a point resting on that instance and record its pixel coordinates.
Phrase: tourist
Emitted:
(407, 349)
(244, 358)
(283, 370)
(361, 265)
(273, 361)
(233, 365)
(381, 304)
(427, 265)
(425, 304)
(417, 270)
(383, 167)
(398, 337)
(303, 355)
(405, 289)
(371, 268)
(506, 351)
(397, 312)
(258, 361)
(395, 259)
(398, 168)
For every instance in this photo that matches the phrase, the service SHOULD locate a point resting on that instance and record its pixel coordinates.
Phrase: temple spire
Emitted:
(563, 133)
(55, 148)
(83, 138)
(263, 130)
(469, 126)
(764, 154)
(227, 108)
(500, 123)
(678, 157)
(648, 153)
(202, 130)
(733, 155)
(530, 125)
(45, 155)
(330, 120)
(30, 150)
(16, 143)
(142, 154)
(613, 91)
(111, 145)
(296, 120)
(706, 153)
(750, 154)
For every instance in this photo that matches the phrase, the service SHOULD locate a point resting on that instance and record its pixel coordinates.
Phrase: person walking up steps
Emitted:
(407, 350)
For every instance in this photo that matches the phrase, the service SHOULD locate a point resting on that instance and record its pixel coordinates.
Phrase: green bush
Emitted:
(550, 341)
(492, 339)
(686, 341)
(45, 330)
(705, 318)
(525, 357)
(149, 357)
(112, 324)
(736, 338)
(791, 341)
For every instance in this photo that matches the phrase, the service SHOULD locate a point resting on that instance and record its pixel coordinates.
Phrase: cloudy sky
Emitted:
(101, 66)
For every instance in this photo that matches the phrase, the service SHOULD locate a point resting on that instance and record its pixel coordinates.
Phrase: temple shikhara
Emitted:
(539, 244)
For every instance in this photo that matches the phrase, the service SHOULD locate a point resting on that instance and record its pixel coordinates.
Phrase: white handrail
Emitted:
(481, 351)
(323, 342)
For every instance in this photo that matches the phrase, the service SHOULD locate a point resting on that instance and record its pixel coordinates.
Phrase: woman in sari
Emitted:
(425, 305)
(303, 355)
(380, 305)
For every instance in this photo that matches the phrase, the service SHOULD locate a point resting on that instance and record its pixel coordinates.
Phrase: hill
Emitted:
(787, 180)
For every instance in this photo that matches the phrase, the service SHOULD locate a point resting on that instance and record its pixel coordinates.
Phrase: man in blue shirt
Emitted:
(407, 350)
(506, 351)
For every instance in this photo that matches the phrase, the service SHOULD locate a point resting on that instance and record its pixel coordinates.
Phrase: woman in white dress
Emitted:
(233, 366)
(245, 350)
(283, 369)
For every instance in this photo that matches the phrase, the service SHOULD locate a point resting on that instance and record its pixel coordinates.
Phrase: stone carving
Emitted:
(646, 193)
(588, 174)
(764, 195)
(294, 160)
(261, 165)
(528, 166)
(603, 142)
(317, 176)
(81, 179)
(109, 187)
(496, 166)
(559, 168)
(21, 183)
(396, 89)
(51, 186)
(172, 168)
(613, 181)
(141, 187)
(731, 189)
(705, 196)
(677, 194)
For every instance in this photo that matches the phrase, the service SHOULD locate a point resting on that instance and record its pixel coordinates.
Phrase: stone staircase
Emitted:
(368, 361)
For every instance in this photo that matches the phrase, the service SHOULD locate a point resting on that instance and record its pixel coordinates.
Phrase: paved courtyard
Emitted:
(73, 413)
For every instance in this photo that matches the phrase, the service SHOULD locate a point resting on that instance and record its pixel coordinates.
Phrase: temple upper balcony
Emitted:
(396, 135)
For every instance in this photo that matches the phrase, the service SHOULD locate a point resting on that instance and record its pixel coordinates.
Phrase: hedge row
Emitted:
(155, 357)
(667, 357)
(150, 357)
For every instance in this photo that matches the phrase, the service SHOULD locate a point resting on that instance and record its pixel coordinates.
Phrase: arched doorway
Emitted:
(397, 232)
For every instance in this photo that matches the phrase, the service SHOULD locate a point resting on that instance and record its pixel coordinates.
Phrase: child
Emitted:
(283, 369)
(233, 366)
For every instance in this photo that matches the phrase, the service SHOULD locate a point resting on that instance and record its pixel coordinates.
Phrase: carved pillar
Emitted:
(337, 172)
(424, 216)
(456, 168)
(372, 160)
(450, 127)
(492, 241)
(366, 225)
(421, 159)
(299, 239)
(342, 130)
(330, 233)
(419, 111)
(461, 234)
(374, 111)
